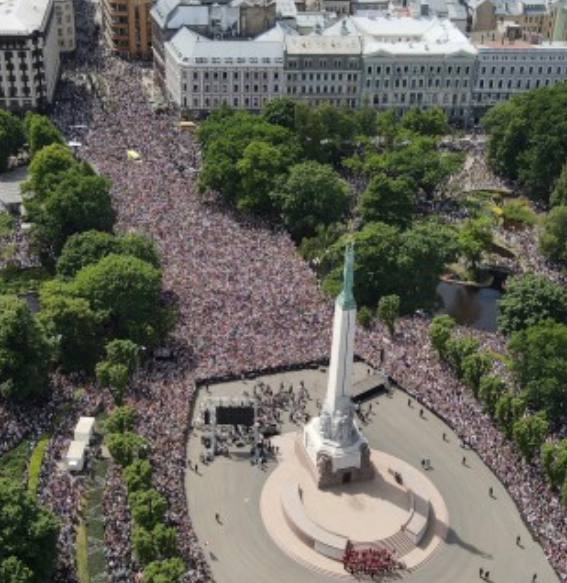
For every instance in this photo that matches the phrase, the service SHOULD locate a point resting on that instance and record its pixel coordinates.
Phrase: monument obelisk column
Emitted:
(342, 348)
(334, 446)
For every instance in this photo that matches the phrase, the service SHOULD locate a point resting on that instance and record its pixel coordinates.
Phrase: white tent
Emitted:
(75, 457)
(84, 429)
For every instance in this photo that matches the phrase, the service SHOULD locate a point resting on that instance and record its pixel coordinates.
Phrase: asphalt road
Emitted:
(482, 532)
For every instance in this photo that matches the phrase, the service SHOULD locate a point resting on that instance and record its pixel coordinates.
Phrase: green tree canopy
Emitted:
(41, 132)
(509, 408)
(389, 200)
(440, 331)
(529, 433)
(539, 363)
(28, 535)
(527, 138)
(475, 238)
(530, 299)
(474, 368)
(280, 111)
(48, 168)
(459, 351)
(121, 419)
(89, 247)
(261, 167)
(554, 460)
(75, 328)
(428, 122)
(387, 261)
(148, 507)
(168, 571)
(388, 311)
(553, 237)
(127, 447)
(312, 195)
(127, 290)
(78, 203)
(559, 193)
(25, 353)
(12, 137)
(138, 475)
(491, 388)
(12, 570)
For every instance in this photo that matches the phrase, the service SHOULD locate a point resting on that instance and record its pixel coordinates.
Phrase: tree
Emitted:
(509, 408)
(122, 358)
(554, 460)
(121, 420)
(12, 137)
(440, 331)
(526, 138)
(28, 535)
(539, 364)
(168, 571)
(529, 300)
(127, 447)
(529, 433)
(564, 494)
(364, 317)
(491, 388)
(475, 366)
(388, 311)
(78, 203)
(157, 544)
(457, 351)
(261, 167)
(25, 353)
(41, 132)
(430, 122)
(147, 506)
(475, 237)
(312, 195)
(390, 200)
(559, 195)
(75, 328)
(138, 475)
(280, 111)
(12, 570)
(553, 236)
(48, 168)
(144, 545)
(89, 247)
(128, 291)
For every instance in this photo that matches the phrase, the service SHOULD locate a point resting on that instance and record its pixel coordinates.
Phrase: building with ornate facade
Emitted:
(127, 27)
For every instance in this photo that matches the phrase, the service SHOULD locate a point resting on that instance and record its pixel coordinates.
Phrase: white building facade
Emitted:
(505, 70)
(387, 62)
(202, 75)
(29, 54)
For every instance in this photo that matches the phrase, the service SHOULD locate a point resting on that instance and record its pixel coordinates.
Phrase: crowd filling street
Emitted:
(246, 301)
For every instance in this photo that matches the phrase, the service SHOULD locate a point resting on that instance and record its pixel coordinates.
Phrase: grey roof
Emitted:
(22, 17)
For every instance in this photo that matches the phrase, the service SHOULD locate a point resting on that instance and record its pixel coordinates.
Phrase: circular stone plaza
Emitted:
(272, 524)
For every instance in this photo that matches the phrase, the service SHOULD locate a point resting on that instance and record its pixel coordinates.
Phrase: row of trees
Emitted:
(155, 543)
(28, 536)
(539, 369)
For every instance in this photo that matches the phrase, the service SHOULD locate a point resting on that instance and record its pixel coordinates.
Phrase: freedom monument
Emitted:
(333, 443)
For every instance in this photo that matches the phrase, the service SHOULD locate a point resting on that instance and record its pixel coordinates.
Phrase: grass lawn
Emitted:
(36, 460)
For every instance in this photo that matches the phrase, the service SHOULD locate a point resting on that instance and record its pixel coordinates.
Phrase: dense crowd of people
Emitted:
(246, 302)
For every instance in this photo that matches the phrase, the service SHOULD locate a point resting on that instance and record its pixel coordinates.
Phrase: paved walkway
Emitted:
(482, 534)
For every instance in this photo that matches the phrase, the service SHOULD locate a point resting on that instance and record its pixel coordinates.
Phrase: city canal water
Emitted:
(470, 306)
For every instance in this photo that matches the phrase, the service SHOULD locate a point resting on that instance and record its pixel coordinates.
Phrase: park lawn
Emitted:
(36, 461)
(14, 462)
(83, 553)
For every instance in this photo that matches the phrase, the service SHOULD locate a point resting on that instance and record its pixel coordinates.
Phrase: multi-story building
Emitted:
(65, 18)
(203, 74)
(323, 68)
(390, 63)
(29, 54)
(224, 20)
(409, 62)
(127, 27)
(503, 70)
